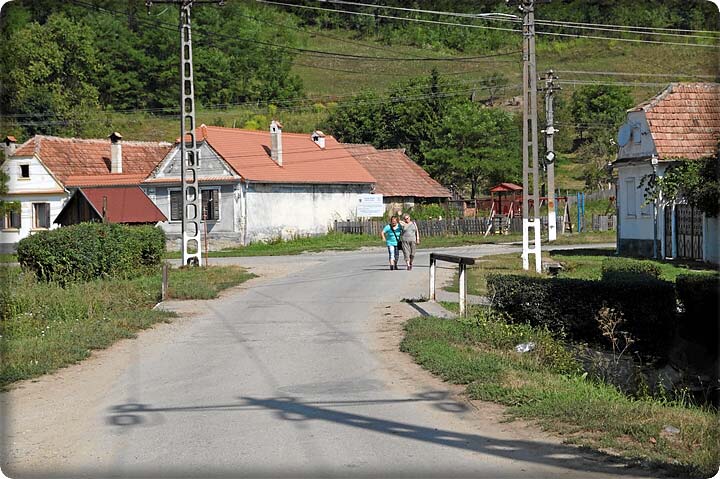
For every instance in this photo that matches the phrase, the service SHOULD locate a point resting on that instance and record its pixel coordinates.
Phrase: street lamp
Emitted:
(654, 163)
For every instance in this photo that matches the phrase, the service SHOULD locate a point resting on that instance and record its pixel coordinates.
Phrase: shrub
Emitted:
(91, 250)
(699, 295)
(628, 268)
(571, 306)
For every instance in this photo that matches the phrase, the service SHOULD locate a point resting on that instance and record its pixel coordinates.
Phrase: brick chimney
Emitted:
(9, 144)
(115, 153)
(319, 138)
(276, 142)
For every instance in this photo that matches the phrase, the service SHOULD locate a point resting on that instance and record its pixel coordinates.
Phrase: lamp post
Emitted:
(654, 163)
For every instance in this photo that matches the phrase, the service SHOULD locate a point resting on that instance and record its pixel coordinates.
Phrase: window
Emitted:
(41, 215)
(11, 220)
(25, 171)
(210, 204)
(630, 197)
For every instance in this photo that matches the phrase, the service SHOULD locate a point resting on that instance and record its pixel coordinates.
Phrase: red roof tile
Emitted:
(124, 205)
(684, 120)
(71, 157)
(248, 152)
(502, 187)
(396, 174)
(104, 180)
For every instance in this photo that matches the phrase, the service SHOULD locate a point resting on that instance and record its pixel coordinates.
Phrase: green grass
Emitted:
(546, 385)
(8, 258)
(46, 327)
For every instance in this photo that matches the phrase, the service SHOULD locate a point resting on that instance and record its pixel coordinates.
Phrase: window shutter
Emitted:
(216, 204)
(176, 205)
(46, 215)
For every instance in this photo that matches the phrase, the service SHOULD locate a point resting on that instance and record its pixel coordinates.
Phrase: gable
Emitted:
(39, 178)
(212, 165)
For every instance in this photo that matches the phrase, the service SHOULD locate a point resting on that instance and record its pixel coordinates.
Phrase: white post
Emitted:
(463, 290)
(432, 279)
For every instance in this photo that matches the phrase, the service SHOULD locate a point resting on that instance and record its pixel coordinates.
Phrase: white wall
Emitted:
(285, 211)
(40, 187)
(711, 240)
(640, 224)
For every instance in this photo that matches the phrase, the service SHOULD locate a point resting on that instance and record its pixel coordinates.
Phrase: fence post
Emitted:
(463, 290)
(164, 288)
(432, 278)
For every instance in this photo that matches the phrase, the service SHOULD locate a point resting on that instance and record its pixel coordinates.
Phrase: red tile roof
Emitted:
(396, 174)
(248, 152)
(104, 180)
(71, 157)
(505, 187)
(684, 120)
(124, 205)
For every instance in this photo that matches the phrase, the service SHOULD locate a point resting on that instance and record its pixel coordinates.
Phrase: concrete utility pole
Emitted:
(189, 156)
(531, 180)
(549, 131)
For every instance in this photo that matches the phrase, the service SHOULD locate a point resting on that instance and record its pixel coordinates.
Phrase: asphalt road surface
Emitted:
(292, 375)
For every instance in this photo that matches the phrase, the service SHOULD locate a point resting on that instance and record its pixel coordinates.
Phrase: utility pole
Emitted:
(189, 154)
(531, 180)
(550, 156)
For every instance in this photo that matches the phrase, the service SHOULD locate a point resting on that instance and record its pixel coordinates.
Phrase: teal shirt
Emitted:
(390, 239)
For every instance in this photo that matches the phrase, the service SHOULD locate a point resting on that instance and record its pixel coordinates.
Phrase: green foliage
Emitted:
(614, 269)
(91, 250)
(428, 212)
(699, 296)
(571, 306)
(476, 146)
(695, 181)
(600, 109)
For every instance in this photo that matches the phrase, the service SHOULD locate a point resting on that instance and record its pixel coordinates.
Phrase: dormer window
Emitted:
(25, 172)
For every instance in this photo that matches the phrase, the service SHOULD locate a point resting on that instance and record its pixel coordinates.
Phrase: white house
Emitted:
(45, 170)
(260, 185)
(681, 123)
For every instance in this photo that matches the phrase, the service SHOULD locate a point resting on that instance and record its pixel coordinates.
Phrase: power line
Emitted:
(436, 22)
(670, 75)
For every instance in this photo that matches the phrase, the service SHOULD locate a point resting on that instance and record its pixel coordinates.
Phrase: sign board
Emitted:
(369, 206)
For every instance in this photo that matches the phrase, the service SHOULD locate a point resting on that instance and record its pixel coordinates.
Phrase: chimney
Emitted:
(276, 142)
(9, 144)
(115, 153)
(319, 138)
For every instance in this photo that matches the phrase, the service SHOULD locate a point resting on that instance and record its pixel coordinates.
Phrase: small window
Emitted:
(12, 220)
(41, 215)
(211, 205)
(176, 205)
(25, 171)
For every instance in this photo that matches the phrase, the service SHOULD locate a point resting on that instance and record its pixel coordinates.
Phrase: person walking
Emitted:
(409, 240)
(391, 235)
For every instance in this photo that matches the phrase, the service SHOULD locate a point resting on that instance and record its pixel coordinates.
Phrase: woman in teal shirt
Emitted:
(391, 235)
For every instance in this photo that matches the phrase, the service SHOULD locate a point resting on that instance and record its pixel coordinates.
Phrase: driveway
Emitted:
(294, 374)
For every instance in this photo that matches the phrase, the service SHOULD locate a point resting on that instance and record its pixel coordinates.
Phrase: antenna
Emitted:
(189, 154)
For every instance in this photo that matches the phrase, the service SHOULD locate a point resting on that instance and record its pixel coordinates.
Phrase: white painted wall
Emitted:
(40, 187)
(711, 240)
(285, 211)
(640, 224)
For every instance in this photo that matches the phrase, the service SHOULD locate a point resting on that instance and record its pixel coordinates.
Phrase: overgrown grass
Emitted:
(45, 327)
(546, 385)
(8, 258)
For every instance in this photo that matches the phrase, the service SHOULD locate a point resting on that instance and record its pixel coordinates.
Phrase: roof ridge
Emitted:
(40, 138)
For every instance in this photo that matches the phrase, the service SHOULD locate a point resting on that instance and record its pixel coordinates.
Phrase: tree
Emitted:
(49, 74)
(600, 109)
(477, 146)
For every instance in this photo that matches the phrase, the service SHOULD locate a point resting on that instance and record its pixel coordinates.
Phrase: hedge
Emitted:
(91, 250)
(570, 306)
(699, 296)
(628, 269)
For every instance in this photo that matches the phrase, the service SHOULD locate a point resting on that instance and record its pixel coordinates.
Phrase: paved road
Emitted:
(293, 376)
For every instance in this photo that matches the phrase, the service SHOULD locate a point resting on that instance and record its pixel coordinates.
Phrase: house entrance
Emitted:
(688, 223)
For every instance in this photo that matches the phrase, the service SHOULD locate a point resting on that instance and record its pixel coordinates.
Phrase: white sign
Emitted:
(370, 206)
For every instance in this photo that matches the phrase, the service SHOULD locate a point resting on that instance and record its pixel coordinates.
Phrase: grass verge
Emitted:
(45, 327)
(546, 385)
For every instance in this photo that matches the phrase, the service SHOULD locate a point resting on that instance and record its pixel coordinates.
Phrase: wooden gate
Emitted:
(688, 223)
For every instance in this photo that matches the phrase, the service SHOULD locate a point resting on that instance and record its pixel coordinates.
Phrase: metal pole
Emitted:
(550, 155)
(164, 289)
(432, 278)
(463, 290)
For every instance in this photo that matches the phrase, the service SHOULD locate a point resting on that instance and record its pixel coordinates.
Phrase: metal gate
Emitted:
(688, 223)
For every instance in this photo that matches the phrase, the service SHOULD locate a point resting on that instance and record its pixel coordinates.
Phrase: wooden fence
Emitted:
(466, 226)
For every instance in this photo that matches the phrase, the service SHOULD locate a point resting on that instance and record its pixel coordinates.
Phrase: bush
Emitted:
(699, 295)
(91, 250)
(629, 269)
(570, 306)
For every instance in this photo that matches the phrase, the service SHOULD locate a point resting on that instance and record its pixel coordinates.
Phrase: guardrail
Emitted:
(463, 262)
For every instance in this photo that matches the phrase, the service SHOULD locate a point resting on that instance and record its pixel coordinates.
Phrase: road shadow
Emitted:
(294, 410)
